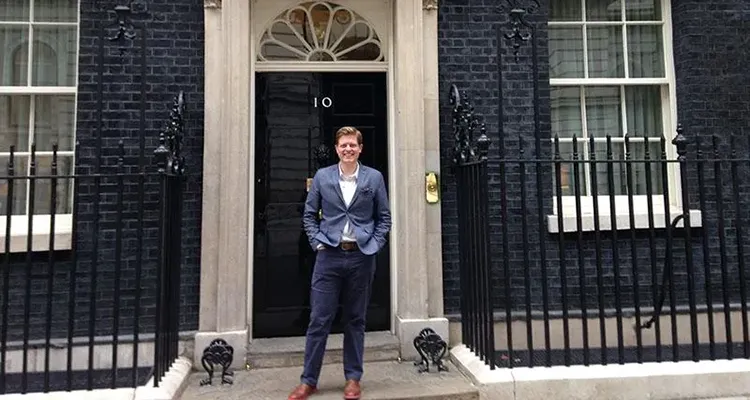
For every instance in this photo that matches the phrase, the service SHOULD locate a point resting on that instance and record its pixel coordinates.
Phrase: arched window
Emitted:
(20, 67)
(45, 73)
(18, 106)
(320, 31)
(46, 65)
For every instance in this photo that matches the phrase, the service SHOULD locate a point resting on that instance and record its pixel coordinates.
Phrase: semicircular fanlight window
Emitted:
(320, 31)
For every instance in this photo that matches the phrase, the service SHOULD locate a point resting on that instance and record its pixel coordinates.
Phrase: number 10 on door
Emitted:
(326, 102)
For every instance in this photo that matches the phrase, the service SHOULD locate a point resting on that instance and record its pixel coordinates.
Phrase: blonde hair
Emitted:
(348, 131)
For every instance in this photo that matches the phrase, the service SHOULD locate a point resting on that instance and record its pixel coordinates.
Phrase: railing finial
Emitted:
(467, 148)
(168, 154)
(681, 142)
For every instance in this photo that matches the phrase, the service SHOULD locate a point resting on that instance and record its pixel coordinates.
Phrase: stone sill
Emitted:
(19, 229)
(641, 219)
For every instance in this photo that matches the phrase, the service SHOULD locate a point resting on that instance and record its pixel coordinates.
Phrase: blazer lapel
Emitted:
(335, 181)
(361, 179)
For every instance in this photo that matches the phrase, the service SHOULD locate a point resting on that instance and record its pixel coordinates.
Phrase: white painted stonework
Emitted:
(102, 360)
(170, 387)
(657, 381)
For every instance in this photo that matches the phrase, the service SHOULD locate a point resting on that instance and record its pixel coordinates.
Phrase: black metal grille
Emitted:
(470, 162)
(67, 302)
(643, 261)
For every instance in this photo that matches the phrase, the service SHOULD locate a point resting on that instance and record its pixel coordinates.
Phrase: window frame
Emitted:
(669, 127)
(41, 222)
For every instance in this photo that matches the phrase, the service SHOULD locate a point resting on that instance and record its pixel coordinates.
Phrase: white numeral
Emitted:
(326, 102)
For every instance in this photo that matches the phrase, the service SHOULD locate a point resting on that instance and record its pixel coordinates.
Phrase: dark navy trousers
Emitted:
(349, 273)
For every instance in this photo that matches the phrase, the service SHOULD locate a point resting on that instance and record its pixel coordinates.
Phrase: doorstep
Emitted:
(290, 352)
(382, 380)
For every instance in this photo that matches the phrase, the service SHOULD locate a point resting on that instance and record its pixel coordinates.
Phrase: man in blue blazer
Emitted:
(346, 219)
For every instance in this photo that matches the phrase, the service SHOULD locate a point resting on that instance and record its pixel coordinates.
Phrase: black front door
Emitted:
(297, 116)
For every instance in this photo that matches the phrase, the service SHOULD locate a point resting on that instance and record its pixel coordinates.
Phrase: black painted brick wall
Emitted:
(468, 58)
(467, 34)
(175, 43)
(712, 102)
(711, 50)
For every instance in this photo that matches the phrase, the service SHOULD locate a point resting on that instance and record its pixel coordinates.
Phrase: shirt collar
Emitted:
(352, 177)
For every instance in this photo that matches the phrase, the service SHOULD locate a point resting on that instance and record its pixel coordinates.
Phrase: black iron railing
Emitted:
(624, 249)
(470, 166)
(90, 266)
(172, 171)
(655, 267)
(645, 257)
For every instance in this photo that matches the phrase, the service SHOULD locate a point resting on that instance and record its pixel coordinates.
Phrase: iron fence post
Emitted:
(681, 143)
(171, 166)
(472, 193)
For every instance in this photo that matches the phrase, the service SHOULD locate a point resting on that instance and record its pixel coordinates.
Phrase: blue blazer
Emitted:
(368, 212)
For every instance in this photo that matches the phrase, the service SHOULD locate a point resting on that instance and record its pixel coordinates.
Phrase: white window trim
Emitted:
(622, 214)
(325, 66)
(669, 120)
(41, 223)
(40, 235)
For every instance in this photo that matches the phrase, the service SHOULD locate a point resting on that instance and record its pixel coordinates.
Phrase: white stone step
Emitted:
(290, 352)
(385, 380)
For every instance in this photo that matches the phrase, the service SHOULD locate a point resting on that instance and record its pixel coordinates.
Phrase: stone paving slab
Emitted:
(335, 342)
(290, 352)
(383, 380)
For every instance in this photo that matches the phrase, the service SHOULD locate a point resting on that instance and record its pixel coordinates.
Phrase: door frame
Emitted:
(416, 237)
(379, 310)
(259, 18)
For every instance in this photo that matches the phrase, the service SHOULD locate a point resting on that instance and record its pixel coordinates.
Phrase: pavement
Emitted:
(391, 380)
(383, 380)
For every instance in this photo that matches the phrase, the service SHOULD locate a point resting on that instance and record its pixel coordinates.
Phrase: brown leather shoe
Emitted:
(352, 390)
(302, 392)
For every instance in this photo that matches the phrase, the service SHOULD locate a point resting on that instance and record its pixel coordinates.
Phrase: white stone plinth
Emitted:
(237, 339)
(408, 329)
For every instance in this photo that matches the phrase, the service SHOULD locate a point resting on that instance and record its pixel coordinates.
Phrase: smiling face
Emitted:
(348, 144)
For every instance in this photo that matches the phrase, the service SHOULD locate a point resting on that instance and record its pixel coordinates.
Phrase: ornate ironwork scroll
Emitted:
(465, 123)
(125, 31)
(125, 28)
(431, 348)
(168, 154)
(518, 10)
(217, 354)
(680, 142)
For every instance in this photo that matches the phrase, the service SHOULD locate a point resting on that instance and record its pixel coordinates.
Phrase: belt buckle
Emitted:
(348, 246)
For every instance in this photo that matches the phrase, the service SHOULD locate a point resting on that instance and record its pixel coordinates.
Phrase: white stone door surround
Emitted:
(231, 26)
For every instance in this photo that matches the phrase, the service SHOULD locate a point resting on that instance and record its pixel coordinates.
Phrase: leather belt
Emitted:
(347, 246)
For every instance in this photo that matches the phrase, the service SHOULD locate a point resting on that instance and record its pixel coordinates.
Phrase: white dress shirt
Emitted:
(348, 185)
